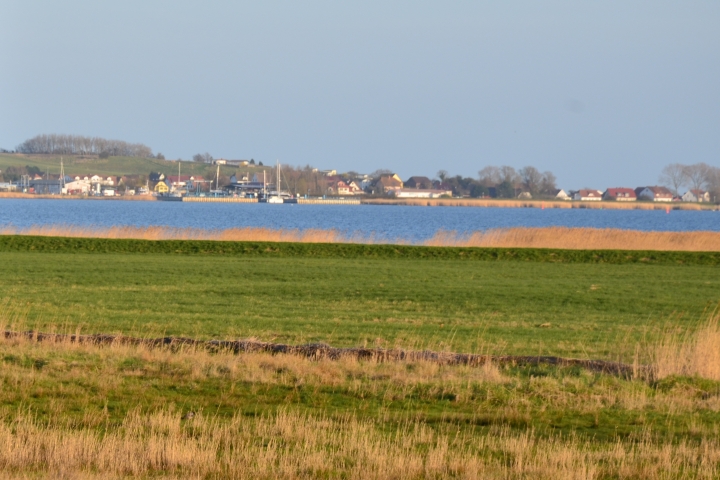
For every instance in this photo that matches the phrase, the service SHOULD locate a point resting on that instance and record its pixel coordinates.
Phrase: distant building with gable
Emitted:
(654, 194)
(696, 196)
(620, 194)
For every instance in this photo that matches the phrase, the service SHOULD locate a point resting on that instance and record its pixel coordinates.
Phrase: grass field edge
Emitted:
(43, 244)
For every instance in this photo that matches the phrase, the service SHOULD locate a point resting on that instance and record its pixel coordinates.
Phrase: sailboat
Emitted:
(276, 198)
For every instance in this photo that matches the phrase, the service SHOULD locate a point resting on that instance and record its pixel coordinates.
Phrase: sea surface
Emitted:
(386, 221)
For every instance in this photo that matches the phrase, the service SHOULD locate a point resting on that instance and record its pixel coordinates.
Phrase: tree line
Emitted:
(698, 176)
(501, 182)
(80, 145)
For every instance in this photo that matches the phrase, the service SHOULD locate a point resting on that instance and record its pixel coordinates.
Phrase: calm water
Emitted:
(412, 223)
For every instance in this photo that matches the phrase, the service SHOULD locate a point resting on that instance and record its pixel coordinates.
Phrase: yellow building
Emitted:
(161, 187)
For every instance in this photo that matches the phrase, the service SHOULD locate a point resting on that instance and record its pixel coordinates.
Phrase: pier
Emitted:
(220, 199)
(329, 201)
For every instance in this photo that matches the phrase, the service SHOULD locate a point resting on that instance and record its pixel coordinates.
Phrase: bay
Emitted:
(386, 221)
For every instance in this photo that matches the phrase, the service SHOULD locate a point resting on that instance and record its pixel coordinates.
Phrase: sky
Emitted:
(601, 93)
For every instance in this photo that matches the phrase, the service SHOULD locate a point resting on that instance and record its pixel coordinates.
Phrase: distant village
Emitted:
(333, 184)
(699, 183)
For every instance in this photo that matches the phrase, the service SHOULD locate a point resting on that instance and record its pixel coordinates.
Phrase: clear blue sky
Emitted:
(602, 93)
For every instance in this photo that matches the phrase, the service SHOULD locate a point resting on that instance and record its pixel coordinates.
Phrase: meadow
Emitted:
(70, 410)
(118, 166)
(519, 307)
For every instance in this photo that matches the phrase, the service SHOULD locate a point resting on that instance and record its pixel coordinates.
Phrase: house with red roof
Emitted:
(654, 194)
(620, 194)
(587, 195)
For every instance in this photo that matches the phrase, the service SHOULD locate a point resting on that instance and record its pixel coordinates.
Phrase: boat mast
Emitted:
(62, 176)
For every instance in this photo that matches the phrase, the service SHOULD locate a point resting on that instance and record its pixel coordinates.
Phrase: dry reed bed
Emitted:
(582, 239)
(290, 445)
(547, 237)
(166, 442)
(687, 353)
(542, 204)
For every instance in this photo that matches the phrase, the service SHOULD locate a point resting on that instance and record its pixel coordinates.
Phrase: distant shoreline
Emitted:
(438, 202)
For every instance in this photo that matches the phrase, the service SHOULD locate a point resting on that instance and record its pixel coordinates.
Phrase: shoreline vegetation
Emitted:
(89, 410)
(557, 238)
(441, 202)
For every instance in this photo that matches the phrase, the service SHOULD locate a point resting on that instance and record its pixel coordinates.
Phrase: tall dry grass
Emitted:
(487, 202)
(292, 445)
(165, 442)
(548, 237)
(694, 353)
(582, 239)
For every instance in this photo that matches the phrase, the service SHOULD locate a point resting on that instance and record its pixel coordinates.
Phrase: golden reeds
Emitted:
(582, 239)
(293, 445)
(168, 442)
(695, 353)
(547, 237)
(495, 203)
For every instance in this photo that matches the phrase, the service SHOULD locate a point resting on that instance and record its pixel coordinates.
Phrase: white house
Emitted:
(96, 179)
(654, 194)
(562, 195)
(588, 195)
(77, 186)
(696, 196)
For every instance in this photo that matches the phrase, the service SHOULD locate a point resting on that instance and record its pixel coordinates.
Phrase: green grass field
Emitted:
(89, 411)
(597, 310)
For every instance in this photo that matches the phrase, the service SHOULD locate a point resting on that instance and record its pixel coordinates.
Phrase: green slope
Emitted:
(75, 165)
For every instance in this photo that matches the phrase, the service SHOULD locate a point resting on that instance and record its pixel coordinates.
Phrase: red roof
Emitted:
(658, 192)
(620, 192)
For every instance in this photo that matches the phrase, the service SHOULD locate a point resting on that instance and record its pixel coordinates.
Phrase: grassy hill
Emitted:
(90, 164)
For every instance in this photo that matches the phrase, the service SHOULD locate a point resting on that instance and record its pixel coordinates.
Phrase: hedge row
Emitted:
(11, 243)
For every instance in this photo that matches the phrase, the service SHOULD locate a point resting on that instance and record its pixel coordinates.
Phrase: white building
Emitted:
(562, 195)
(655, 194)
(696, 196)
(77, 186)
(588, 195)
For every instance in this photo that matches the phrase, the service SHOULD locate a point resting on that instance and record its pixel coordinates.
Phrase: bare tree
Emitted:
(548, 184)
(697, 175)
(674, 176)
(442, 175)
(531, 179)
(713, 183)
(203, 158)
(508, 174)
(489, 176)
(304, 180)
(380, 172)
